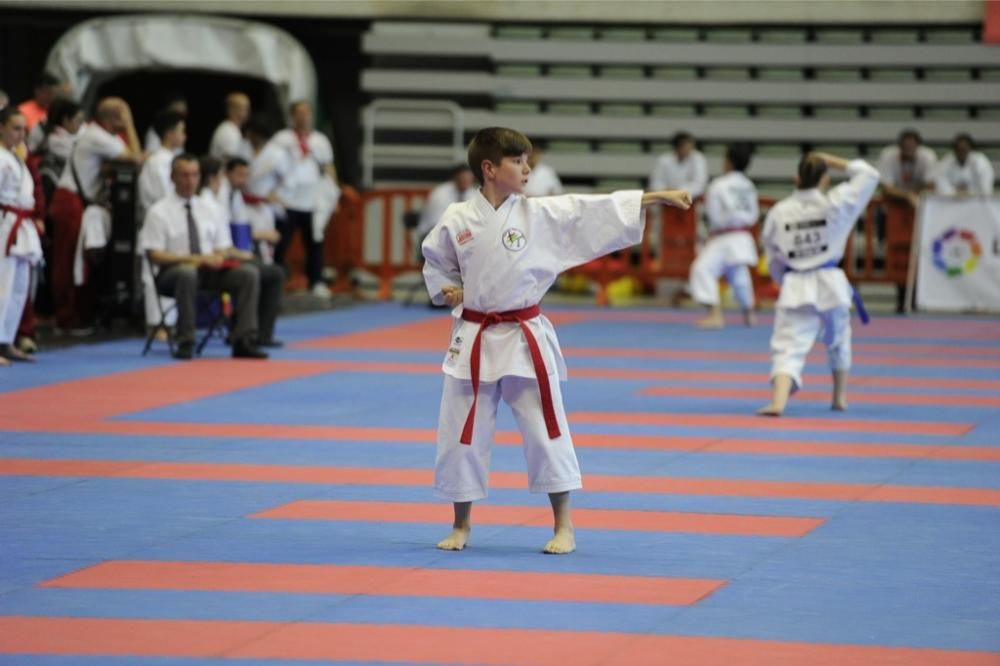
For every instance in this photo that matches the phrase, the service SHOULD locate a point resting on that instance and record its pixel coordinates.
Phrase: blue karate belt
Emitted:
(859, 304)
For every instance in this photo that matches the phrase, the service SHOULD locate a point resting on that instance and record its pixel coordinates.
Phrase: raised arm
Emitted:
(850, 199)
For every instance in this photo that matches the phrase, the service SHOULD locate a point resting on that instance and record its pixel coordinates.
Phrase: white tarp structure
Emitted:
(958, 254)
(106, 47)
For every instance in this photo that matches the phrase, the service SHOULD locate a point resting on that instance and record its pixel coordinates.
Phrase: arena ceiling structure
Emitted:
(100, 49)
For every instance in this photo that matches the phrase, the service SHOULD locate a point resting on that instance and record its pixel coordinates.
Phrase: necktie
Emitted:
(194, 242)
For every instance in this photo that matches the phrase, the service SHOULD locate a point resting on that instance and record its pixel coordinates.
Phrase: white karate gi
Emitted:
(437, 203)
(670, 174)
(506, 259)
(228, 142)
(17, 190)
(975, 177)
(802, 235)
(731, 204)
(300, 186)
(543, 182)
(154, 179)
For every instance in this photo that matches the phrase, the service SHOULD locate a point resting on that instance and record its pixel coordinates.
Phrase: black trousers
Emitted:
(301, 220)
(183, 283)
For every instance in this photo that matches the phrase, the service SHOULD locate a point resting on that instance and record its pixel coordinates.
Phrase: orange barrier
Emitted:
(367, 233)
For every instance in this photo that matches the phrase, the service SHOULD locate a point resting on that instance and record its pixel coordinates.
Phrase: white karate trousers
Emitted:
(461, 472)
(711, 264)
(795, 332)
(15, 280)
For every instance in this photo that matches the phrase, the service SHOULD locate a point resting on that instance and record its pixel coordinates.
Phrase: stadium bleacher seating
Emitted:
(604, 101)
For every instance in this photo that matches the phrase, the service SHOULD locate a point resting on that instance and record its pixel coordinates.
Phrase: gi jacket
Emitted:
(807, 231)
(506, 259)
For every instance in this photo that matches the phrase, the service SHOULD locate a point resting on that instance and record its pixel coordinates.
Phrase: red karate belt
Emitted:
(20, 215)
(730, 230)
(487, 319)
(253, 199)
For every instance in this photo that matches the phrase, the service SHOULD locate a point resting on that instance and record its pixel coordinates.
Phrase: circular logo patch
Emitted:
(514, 239)
(957, 252)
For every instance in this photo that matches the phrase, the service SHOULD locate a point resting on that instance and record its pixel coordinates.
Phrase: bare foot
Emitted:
(3, 362)
(710, 322)
(839, 405)
(770, 409)
(749, 318)
(563, 542)
(457, 540)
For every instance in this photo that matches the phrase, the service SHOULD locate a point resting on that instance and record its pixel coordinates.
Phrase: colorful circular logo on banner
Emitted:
(957, 252)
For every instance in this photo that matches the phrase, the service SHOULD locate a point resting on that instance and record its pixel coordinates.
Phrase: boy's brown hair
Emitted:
(811, 171)
(494, 144)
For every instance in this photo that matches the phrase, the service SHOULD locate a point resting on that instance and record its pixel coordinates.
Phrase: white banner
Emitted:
(958, 259)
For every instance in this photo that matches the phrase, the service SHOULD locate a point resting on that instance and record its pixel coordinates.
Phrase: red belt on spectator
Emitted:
(20, 215)
(730, 230)
(487, 319)
(253, 199)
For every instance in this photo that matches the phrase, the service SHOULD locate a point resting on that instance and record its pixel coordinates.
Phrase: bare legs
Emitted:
(713, 319)
(839, 391)
(459, 536)
(781, 388)
(562, 542)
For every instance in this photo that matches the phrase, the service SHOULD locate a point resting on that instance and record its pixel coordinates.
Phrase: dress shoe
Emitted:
(272, 343)
(243, 349)
(184, 351)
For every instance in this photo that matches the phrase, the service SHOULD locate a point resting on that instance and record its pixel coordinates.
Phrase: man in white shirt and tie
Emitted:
(188, 249)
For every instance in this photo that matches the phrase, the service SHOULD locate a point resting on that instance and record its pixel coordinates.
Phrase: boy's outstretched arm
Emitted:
(676, 198)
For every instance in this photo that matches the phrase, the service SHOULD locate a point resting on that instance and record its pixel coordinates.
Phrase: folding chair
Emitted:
(210, 308)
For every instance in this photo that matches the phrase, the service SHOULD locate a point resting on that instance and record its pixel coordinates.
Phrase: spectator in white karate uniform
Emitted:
(543, 181)
(459, 187)
(309, 157)
(684, 168)
(964, 171)
(228, 140)
(173, 102)
(154, 179)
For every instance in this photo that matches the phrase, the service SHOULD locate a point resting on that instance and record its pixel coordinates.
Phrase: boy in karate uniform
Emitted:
(495, 256)
(20, 247)
(731, 203)
(804, 237)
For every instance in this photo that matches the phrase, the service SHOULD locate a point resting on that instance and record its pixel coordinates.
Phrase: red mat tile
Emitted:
(429, 645)
(598, 519)
(388, 581)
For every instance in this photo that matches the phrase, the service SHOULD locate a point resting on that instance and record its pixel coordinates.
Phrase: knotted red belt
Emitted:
(487, 319)
(729, 230)
(20, 215)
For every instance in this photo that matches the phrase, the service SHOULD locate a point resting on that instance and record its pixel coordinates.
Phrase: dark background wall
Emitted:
(27, 36)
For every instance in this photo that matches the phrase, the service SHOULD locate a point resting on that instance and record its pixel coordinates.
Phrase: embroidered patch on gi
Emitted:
(463, 237)
(453, 353)
(514, 239)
